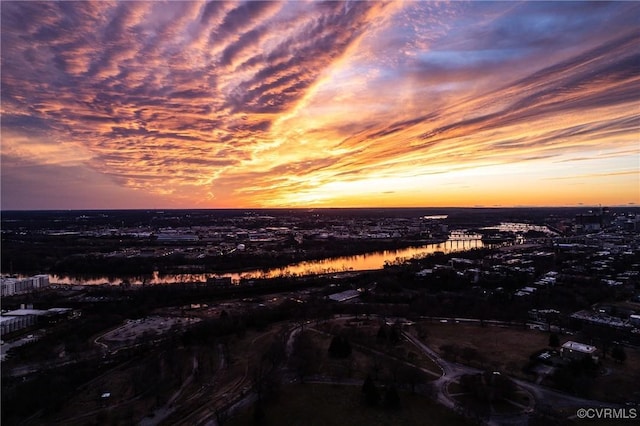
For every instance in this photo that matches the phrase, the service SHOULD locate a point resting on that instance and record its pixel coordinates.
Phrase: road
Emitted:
(451, 371)
(230, 397)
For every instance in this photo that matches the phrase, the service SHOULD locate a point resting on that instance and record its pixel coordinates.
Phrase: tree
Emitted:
(618, 354)
(450, 351)
(422, 331)
(488, 387)
(394, 335)
(471, 383)
(554, 340)
(412, 376)
(305, 356)
(258, 414)
(221, 416)
(266, 381)
(371, 395)
(340, 347)
(388, 335)
(468, 353)
(276, 352)
(576, 377)
(391, 398)
(501, 386)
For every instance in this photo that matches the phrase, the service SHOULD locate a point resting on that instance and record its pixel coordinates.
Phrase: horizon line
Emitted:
(585, 206)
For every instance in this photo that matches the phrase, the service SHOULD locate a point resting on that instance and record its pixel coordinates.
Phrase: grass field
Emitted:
(326, 405)
(503, 349)
(365, 334)
(508, 350)
(621, 382)
(356, 366)
(368, 356)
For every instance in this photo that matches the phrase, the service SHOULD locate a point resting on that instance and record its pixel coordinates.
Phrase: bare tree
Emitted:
(305, 356)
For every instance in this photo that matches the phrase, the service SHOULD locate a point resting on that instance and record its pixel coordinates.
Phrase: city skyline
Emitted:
(319, 104)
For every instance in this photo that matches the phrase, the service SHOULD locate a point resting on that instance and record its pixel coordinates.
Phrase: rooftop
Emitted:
(345, 295)
(580, 347)
(20, 312)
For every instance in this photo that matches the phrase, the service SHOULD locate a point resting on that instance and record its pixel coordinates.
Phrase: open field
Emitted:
(355, 366)
(370, 356)
(326, 405)
(519, 401)
(620, 381)
(508, 349)
(364, 332)
(497, 348)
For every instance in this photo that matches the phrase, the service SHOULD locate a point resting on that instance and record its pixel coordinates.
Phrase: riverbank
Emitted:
(372, 260)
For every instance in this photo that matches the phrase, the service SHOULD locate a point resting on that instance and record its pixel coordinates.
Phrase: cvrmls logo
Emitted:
(607, 413)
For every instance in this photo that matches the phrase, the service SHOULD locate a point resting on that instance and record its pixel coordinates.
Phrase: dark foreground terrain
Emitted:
(470, 337)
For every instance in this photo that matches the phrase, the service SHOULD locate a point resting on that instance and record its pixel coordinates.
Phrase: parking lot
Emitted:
(145, 327)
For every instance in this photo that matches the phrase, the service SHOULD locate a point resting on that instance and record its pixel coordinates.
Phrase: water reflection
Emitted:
(362, 262)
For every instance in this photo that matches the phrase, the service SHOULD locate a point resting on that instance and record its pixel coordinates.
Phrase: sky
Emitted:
(111, 105)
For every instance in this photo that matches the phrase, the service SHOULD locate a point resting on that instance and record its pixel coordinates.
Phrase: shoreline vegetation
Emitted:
(213, 266)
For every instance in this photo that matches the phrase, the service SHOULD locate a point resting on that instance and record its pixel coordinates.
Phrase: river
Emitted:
(362, 262)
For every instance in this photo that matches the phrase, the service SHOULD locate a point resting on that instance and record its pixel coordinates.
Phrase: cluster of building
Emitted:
(26, 317)
(498, 267)
(547, 280)
(606, 263)
(10, 286)
(597, 220)
(255, 234)
(603, 319)
(598, 258)
(251, 227)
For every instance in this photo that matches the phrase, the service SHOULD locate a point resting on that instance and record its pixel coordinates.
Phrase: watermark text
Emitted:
(607, 413)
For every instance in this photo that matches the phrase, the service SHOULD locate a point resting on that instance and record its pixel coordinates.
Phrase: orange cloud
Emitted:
(225, 104)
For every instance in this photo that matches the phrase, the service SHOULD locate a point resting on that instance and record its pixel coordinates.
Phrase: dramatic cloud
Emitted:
(237, 104)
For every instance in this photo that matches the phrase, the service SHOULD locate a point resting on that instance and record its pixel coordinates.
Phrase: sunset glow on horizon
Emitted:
(319, 104)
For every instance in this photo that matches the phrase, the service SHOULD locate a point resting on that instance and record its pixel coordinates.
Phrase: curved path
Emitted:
(451, 371)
